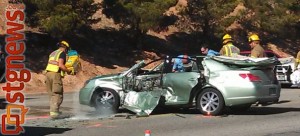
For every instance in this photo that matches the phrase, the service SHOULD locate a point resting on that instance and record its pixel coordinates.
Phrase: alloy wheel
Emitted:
(105, 99)
(209, 102)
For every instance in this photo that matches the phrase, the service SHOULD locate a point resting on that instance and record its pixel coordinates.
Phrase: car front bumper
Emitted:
(85, 96)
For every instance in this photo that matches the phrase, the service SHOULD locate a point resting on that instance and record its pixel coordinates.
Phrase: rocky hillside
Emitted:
(106, 50)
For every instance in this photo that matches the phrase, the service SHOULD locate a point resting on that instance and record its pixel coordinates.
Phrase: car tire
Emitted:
(240, 108)
(210, 102)
(106, 101)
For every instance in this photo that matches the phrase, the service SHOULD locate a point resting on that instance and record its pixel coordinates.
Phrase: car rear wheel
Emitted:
(106, 101)
(210, 102)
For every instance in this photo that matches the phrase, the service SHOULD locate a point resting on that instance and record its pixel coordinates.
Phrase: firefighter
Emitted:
(228, 48)
(55, 71)
(256, 50)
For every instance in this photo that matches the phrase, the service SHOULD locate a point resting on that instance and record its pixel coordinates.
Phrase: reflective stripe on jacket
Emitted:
(231, 50)
(53, 61)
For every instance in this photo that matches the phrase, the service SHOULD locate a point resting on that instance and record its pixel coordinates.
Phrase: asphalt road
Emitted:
(281, 119)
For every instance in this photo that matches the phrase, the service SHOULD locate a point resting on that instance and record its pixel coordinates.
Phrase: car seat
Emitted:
(188, 66)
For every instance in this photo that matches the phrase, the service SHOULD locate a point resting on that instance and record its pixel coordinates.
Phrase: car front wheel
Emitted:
(210, 102)
(106, 101)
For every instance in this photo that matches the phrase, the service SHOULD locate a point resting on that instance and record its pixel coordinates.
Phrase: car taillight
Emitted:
(250, 77)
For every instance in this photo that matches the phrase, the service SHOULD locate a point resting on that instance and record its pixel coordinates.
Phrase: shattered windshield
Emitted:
(139, 64)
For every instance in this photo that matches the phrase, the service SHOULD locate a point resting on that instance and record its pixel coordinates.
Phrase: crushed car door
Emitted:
(178, 86)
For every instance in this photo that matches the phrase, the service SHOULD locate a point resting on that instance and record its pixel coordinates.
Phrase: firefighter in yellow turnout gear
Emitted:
(55, 71)
(256, 50)
(228, 48)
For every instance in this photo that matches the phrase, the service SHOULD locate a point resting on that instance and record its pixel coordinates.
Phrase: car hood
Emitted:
(104, 77)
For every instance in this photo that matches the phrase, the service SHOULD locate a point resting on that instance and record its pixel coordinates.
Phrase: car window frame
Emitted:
(171, 60)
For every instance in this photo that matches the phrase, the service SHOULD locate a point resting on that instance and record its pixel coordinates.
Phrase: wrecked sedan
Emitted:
(211, 84)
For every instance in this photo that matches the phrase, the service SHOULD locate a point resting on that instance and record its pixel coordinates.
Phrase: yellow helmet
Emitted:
(227, 36)
(253, 37)
(65, 43)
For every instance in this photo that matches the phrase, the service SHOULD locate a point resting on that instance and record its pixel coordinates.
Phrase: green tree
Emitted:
(278, 17)
(138, 15)
(210, 17)
(60, 18)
